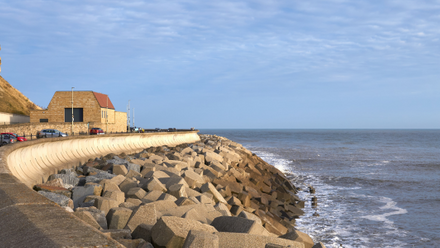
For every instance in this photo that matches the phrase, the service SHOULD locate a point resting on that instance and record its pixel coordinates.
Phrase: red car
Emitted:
(96, 130)
(19, 138)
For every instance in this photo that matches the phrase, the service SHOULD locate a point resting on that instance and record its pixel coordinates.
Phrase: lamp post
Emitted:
(72, 110)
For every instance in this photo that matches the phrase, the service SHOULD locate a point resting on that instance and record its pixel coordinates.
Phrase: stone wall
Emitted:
(26, 129)
(7, 118)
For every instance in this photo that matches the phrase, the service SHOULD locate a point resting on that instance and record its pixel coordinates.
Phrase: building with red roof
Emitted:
(89, 107)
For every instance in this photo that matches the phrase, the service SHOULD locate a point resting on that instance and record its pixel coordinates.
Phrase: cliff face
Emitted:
(13, 101)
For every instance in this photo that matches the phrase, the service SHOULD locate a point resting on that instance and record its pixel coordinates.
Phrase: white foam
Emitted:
(389, 204)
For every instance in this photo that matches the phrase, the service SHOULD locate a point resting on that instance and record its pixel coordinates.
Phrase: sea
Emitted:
(375, 188)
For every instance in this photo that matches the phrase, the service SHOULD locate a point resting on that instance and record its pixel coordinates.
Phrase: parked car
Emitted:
(50, 133)
(7, 139)
(172, 129)
(18, 137)
(96, 130)
(134, 129)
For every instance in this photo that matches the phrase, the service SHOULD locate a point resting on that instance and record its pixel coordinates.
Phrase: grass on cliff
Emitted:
(13, 101)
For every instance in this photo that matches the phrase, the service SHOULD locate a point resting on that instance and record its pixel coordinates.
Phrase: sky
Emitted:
(233, 64)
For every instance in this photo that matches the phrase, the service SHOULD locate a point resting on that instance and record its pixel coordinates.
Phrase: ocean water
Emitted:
(375, 188)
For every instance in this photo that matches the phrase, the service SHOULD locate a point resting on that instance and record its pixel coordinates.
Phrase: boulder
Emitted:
(134, 167)
(170, 231)
(59, 199)
(79, 193)
(144, 214)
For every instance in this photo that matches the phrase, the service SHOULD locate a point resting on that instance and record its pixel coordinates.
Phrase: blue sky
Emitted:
(233, 64)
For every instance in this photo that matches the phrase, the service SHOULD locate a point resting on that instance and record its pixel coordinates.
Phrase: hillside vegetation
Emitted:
(13, 101)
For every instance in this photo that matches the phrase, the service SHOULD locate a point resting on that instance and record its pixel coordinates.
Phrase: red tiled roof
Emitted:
(102, 100)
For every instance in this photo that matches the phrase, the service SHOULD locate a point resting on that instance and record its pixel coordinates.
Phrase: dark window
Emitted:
(44, 120)
(77, 112)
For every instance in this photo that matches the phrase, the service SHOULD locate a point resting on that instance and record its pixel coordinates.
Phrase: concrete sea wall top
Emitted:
(29, 219)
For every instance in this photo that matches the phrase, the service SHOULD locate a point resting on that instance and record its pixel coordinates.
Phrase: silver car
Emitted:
(50, 133)
(7, 139)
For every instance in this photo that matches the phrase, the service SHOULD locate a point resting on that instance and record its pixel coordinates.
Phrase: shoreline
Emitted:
(215, 182)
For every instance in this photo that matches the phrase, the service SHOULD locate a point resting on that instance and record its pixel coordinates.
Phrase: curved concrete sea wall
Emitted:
(28, 219)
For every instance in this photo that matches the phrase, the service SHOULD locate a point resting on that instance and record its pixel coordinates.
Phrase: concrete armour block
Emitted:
(118, 217)
(201, 239)
(120, 169)
(237, 225)
(97, 214)
(208, 187)
(134, 243)
(178, 190)
(110, 186)
(87, 218)
(127, 184)
(183, 201)
(193, 179)
(142, 231)
(319, 245)
(154, 184)
(223, 209)
(171, 231)
(133, 174)
(244, 240)
(105, 204)
(250, 216)
(144, 214)
(118, 196)
(152, 196)
(118, 179)
(117, 233)
(136, 192)
(299, 237)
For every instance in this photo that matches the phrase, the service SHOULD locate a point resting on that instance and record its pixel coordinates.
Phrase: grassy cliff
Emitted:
(13, 101)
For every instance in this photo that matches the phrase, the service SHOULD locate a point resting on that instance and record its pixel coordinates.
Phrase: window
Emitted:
(77, 115)
(44, 120)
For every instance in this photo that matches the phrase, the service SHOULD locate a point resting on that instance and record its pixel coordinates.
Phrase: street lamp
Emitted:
(72, 110)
